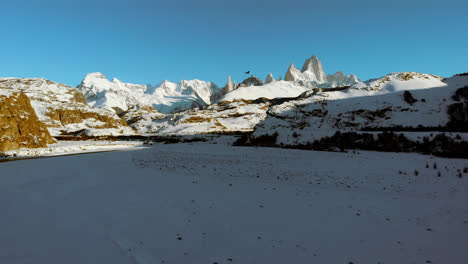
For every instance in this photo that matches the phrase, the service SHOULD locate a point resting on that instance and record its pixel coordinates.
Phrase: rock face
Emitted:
(269, 78)
(165, 97)
(63, 109)
(339, 79)
(313, 70)
(19, 124)
(293, 74)
(252, 81)
(312, 75)
(229, 87)
(141, 118)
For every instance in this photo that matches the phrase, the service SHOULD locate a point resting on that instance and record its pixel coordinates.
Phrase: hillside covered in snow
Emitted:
(410, 103)
(63, 109)
(306, 109)
(165, 97)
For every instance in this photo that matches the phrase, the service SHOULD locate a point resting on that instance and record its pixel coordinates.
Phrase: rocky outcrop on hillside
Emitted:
(226, 117)
(63, 109)
(141, 118)
(19, 124)
(252, 81)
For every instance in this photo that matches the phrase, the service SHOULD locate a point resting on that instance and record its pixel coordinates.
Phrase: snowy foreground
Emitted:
(204, 203)
(69, 148)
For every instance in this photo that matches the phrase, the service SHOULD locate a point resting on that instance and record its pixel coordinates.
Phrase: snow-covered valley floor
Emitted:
(69, 148)
(206, 203)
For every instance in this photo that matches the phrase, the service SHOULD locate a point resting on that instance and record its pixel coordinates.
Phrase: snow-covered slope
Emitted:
(316, 112)
(382, 103)
(339, 80)
(63, 109)
(399, 81)
(165, 97)
(271, 90)
(226, 117)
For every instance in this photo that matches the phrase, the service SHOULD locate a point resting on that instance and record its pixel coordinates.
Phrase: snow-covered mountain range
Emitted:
(168, 97)
(165, 97)
(378, 103)
(306, 106)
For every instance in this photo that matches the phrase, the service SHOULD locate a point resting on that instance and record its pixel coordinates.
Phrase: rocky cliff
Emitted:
(63, 109)
(313, 75)
(19, 124)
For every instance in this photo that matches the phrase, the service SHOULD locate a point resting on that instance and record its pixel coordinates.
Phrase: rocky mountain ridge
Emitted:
(168, 97)
(63, 109)
(313, 75)
(298, 110)
(165, 97)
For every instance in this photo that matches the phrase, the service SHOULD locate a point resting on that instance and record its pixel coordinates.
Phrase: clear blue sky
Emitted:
(148, 41)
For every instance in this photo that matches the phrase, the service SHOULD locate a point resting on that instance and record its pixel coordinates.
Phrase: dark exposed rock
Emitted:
(408, 97)
(461, 94)
(458, 112)
(252, 80)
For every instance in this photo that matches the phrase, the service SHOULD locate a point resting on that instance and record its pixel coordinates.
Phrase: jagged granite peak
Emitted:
(269, 78)
(313, 70)
(312, 75)
(252, 81)
(229, 86)
(292, 74)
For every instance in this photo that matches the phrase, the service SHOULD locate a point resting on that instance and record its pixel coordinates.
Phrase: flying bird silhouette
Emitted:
(247, 72)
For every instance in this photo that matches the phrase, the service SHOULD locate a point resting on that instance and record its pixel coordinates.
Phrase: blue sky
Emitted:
(148, 41)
